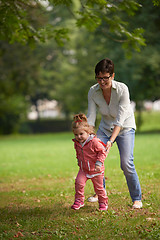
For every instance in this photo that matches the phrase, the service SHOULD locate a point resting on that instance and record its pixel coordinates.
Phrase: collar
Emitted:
(91, 136)
(114, 85)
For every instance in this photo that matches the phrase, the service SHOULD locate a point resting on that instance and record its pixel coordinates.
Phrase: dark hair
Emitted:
(104, 66)
(80, 121)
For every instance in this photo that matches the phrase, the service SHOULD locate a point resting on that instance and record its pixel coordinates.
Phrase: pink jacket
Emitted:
(87, 155)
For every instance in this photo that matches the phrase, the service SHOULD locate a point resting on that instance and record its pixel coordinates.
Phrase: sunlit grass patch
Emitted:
(37, 175)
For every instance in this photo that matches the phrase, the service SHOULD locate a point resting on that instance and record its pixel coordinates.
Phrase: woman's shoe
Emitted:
(94, 198)
(137, 204)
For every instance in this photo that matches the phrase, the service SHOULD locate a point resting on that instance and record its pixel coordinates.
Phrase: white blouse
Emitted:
(119, 111)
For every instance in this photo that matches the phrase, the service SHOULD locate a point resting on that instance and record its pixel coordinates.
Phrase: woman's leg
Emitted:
(125, 143)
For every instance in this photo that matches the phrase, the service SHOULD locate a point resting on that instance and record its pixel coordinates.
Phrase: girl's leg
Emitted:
(125, 143)
(79, 186)
(99, 189)
(104, 138)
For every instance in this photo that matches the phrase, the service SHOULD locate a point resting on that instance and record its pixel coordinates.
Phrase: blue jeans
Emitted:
(125, 143)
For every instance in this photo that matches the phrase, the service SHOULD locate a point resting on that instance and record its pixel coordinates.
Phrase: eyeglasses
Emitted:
(105, 79)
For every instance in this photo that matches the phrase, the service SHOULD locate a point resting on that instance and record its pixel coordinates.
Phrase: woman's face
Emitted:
(104, 79)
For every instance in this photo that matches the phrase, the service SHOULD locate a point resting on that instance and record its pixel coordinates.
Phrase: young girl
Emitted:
(91, 154)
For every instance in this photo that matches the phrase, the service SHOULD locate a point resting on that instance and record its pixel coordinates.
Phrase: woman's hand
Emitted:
(115, 133)
(108, 146)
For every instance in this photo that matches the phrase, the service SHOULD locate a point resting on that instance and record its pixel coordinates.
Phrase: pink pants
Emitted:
(97, 181)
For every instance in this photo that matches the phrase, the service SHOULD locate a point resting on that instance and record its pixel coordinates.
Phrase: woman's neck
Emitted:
(107, 94)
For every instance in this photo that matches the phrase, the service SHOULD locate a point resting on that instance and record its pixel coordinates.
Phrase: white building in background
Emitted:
(148, 105)
(156, 105)
(50, 109)
(152, 106)
(46, 108)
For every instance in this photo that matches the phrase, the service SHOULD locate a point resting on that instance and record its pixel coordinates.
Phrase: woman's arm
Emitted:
(115, 133)
(91, 115)
(124, 107)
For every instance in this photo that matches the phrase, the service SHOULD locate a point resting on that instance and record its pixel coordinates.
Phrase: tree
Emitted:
(66, 71)
(17, 25)
(141, 72)
(19, 72)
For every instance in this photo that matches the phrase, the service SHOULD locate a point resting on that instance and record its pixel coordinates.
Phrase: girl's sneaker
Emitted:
(77, 205)
(103, 207)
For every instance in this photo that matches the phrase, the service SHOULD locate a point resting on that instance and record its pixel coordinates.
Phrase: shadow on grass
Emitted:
(56, 211)
(58, 221)
(33, 222)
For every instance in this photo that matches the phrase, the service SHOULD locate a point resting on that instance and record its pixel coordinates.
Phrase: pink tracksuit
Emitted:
(88, 154)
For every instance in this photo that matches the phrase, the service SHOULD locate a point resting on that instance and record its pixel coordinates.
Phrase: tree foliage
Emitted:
(26, 22)
(20, 20)
(156, 2)
(64, 70)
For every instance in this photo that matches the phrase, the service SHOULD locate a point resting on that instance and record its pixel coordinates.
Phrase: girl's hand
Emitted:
(97, 168)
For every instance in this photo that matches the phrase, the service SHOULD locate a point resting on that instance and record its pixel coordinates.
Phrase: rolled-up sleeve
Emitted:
(91, 115)
(124, 107)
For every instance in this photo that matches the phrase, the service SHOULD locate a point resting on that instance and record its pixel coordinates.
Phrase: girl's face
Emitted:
(81, 135)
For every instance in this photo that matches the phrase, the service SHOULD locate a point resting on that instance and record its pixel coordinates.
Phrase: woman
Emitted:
(117, 123)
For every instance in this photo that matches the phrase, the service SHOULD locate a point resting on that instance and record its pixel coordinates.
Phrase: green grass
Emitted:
(150, 121)
(37, 175)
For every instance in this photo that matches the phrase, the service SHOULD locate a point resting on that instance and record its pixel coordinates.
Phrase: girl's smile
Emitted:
(81, 135)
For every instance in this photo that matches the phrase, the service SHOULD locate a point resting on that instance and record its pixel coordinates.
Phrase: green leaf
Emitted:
(88, 20)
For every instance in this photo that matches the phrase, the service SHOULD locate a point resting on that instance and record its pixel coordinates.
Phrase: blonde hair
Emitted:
(80, 121)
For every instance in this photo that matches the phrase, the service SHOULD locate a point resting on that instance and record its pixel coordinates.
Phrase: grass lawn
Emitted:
(150, 121)
(37, 174)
